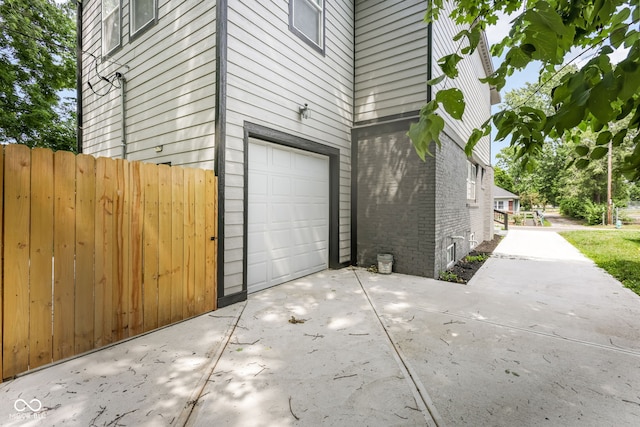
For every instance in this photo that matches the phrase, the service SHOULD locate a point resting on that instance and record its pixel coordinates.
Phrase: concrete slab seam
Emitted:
(612, 347)
(418, 389)
(543, 259)
(185, 414)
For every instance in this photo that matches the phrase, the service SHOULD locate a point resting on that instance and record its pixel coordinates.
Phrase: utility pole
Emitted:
(609, 195)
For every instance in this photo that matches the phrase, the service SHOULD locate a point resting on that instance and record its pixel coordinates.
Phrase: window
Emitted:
(451, 255)
(143, 14)
(110, 26)
(499, 205)
(471, 181)
(306, 19)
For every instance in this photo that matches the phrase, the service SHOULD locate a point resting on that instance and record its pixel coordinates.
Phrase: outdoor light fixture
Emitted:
(159, 148)
(304, 111)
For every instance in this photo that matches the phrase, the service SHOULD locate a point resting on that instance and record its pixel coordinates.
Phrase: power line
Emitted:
(49, 43)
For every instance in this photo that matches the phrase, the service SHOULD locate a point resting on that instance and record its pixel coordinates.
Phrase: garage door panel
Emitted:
(281, 158)
(258, 155)
(289, 208)
(301, 236)
(280, 186)
(281, 270)
(280, 213)
(279, 239)
(309, 166)
(258, 273)
(256, 215)
(257, 246)
(307, 189)
(317, 257)
(258, 183)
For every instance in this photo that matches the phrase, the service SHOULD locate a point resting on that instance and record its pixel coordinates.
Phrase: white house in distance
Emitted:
(505, 201)
(301, 108)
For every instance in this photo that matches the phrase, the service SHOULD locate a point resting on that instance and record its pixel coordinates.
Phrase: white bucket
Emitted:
(385, 263)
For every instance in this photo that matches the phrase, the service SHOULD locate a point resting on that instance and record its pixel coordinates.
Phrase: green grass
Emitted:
(616, 251)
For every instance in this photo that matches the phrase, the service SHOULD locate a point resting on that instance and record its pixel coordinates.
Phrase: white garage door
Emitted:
(288, 217)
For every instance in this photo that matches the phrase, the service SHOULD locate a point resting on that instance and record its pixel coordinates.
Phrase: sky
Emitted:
(495, 34)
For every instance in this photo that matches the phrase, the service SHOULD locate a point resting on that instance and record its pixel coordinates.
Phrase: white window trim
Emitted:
(300, 33)
(105, 17)
(144, 26)
(472, 173)
(451, 255)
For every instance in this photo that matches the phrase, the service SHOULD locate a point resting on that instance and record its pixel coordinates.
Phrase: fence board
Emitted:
(150, 246)
(85, 246)
(164, 245)
(188, 309)
(211, 254)
(124, 183)
(119, 292)
(199, 249)
(104, 246)
(97, 250)
(64, 253)
(177, 246)
(136, 316)
(40, 309)
(15, 344)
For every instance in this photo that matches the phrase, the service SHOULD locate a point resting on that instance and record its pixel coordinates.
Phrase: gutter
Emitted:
(487, 64)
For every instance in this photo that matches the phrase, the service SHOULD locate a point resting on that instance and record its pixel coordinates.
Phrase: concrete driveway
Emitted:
(540, 336)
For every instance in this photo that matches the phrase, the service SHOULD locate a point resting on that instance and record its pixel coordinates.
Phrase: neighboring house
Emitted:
(302, 108)
(505, 201)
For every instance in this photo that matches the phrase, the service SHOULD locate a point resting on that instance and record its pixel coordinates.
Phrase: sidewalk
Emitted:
(540, 336)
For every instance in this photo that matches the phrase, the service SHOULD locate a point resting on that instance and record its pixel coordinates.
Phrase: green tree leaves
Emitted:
(37, 62)
(594, 94)
(427, 130)
(452, 101)
(546, 38)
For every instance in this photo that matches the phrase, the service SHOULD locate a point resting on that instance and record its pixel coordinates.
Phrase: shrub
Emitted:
(572, 207)
(517, 219)
(583, 209)
(476, 258)
(593, 213)
(450, 276)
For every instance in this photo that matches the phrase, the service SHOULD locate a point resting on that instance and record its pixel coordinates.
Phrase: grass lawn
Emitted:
(616, 251)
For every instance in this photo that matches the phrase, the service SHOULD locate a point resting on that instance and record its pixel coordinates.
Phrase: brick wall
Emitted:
(395, 192)
(413, 209)
(455, 215)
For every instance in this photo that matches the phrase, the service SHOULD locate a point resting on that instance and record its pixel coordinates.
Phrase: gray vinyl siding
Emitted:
(477, 94)
(170, 86)
(391, 58)
(271, 72)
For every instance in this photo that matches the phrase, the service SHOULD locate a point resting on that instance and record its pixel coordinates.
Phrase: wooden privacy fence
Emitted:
(98, 250)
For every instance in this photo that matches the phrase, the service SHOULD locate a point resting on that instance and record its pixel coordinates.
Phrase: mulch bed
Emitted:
(464, 270)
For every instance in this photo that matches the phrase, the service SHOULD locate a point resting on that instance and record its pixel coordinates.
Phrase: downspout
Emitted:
(429, 59)
(123, 124)
(79, 142)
